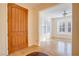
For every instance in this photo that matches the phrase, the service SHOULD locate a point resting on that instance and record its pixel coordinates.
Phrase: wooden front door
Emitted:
(17, 28)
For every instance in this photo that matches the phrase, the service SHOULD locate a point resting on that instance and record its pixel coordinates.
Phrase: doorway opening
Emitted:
(55, 29)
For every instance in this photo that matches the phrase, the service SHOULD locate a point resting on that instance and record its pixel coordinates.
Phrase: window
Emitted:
(69, 26)
(45, 27)
(60, 26)
(64, 26)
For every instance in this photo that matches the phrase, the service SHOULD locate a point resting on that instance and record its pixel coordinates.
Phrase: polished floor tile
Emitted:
(57, 47)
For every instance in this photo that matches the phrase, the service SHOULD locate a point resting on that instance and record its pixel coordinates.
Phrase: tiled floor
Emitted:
(57, 46)
(52, 47)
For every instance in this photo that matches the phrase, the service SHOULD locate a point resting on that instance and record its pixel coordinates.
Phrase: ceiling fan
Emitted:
(65, 13)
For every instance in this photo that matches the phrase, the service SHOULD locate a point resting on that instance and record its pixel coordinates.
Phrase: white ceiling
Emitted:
(57, 10)
(28, 4)
(32, 4)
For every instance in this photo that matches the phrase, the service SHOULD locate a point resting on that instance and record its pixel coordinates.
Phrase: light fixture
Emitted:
(65, 13)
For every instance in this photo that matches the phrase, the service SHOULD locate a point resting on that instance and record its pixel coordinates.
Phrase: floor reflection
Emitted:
(57, 46)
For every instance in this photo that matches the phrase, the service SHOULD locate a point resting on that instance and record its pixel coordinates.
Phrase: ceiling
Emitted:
(28, 5)
(37, 6)
(57, 10)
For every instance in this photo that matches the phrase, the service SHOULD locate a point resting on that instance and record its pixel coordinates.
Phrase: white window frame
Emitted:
(61, 20)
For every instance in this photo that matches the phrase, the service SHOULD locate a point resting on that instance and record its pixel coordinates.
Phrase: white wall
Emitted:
(3, 29)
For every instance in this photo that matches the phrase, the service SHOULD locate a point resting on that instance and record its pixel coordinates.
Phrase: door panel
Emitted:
(17, 28)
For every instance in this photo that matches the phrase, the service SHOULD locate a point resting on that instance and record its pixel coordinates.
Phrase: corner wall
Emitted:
(3, 29)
